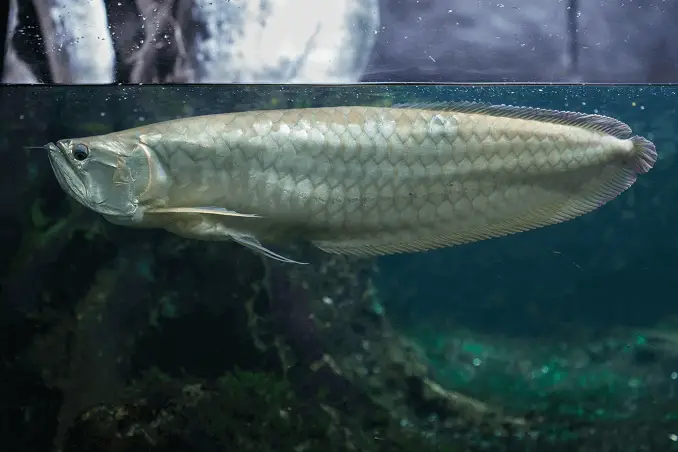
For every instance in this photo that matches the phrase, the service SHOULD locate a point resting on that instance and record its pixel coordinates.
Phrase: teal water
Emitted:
(574, 325)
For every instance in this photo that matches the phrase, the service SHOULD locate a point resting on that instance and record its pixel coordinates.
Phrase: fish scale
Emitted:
(374, 180)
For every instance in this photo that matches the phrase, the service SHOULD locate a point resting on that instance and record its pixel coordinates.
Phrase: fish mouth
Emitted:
(67, 177)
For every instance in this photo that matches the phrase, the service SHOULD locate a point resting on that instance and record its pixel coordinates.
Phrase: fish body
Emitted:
(356, 180)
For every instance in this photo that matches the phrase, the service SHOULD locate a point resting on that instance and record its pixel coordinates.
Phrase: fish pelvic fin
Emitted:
(253, 243)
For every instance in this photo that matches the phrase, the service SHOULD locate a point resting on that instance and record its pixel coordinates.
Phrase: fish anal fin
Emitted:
(593, 195)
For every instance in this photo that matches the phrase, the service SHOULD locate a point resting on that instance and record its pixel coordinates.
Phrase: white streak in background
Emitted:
(78, 44)
(15, 70)
(279, 41)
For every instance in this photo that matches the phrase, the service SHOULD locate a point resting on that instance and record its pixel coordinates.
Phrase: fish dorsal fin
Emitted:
(598, 123)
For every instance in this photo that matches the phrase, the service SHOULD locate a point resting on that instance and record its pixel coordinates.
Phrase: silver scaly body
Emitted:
(374, 180)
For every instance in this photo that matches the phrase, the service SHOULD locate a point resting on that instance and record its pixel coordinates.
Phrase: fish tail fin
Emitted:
(644, 154)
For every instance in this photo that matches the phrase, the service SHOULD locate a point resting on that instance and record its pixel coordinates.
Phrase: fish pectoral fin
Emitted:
(251, 242)
(201, 210)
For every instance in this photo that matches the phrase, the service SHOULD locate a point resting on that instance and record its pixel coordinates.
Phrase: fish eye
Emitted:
(80, 152)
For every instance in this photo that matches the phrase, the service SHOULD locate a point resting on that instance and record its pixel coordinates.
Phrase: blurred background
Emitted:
(342, 41)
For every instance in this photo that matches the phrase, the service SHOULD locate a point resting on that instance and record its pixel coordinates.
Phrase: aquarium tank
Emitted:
(116, 338)
(533, 337)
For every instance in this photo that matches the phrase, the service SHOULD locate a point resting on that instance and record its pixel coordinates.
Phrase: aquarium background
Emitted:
(563, 338)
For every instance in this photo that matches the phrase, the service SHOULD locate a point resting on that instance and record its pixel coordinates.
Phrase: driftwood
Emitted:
(77, 42)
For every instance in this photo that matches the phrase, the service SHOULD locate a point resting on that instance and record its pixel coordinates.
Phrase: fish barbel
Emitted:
(356, 180)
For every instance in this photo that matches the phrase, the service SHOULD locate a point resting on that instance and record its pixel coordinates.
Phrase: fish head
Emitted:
(109, 174)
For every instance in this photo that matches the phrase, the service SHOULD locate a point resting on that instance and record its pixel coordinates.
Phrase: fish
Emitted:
(355, 180)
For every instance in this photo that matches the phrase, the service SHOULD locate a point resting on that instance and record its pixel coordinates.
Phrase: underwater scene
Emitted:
(555, 331)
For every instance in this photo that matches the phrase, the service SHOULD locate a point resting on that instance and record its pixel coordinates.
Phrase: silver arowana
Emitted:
(355, 180)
